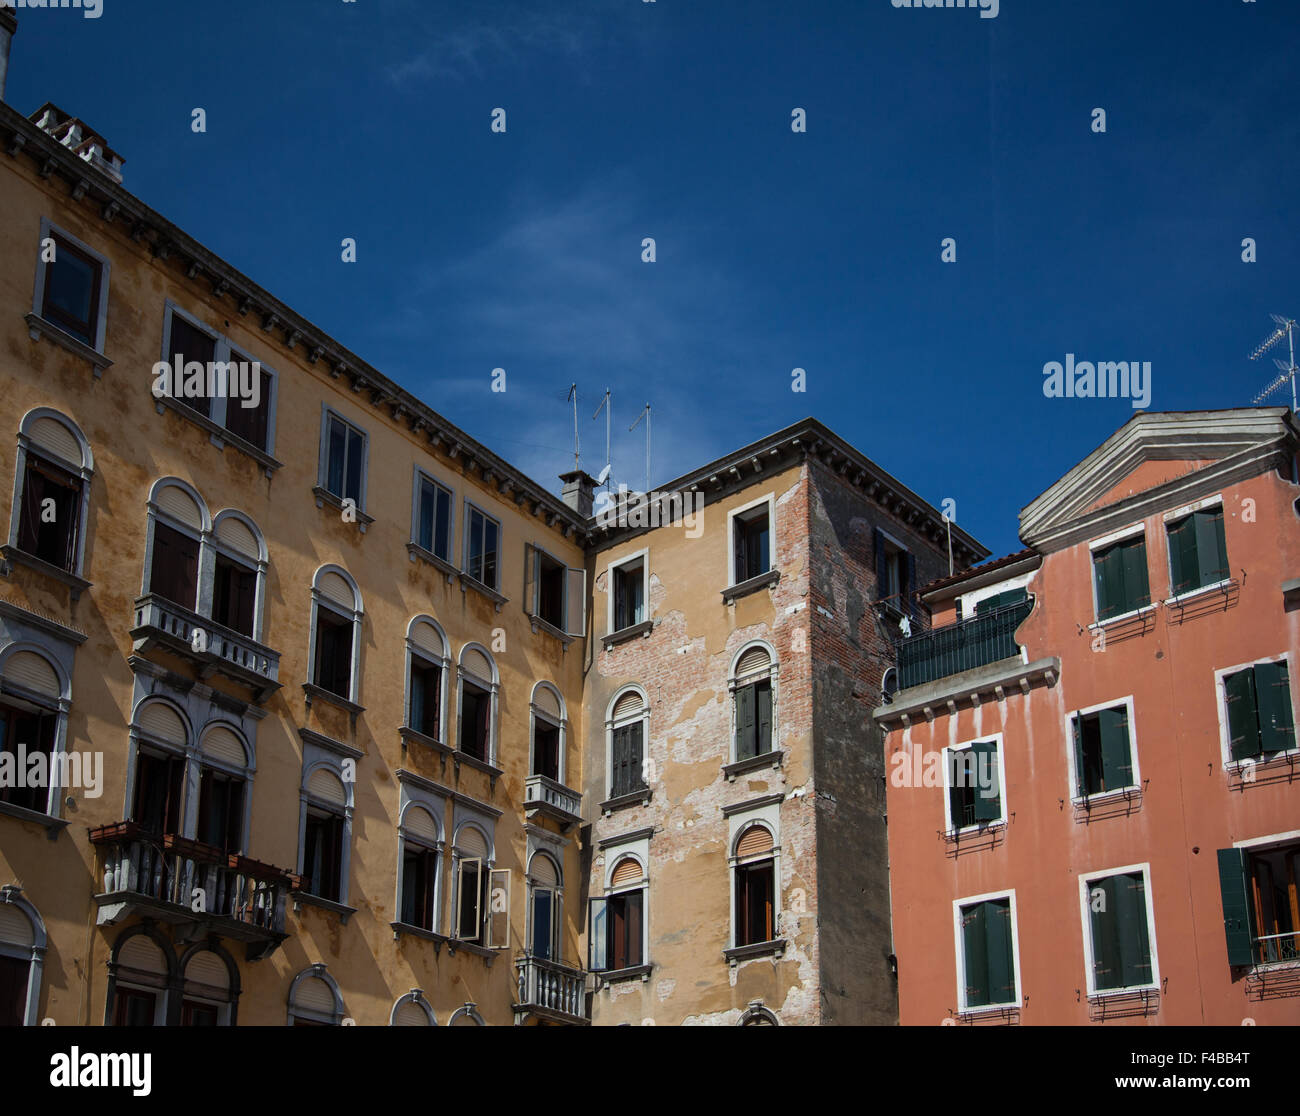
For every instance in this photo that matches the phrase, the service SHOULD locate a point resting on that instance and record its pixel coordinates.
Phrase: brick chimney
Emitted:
(8, 29)
(579, 492)
(77, 136)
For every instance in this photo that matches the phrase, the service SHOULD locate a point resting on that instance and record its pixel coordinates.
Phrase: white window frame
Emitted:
(442, 662)
(736, 683)
(535, 715)
(1209, 502)
(323, 464)
(627, 559)
(85, 469)
(770, 500)
(1122, 535)
(487, 830)
(470, 509)
(259, 568)
(59, 707)
(320, 972)
(960, 945)
(1235, 766)
(767, 816)
(611, 723)
(421, 475)
(638, 849)
(202, 606)
(49, 229)
(491, 685)
(557, 904)
(953, 830)
(1076, 792)
(34, 954)
(320, 601)
(1087, 878)
(314, 757)
(413, 797)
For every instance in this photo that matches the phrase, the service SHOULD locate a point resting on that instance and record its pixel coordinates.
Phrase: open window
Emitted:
(628, 593)
(548, 722)
(616, 920)
(1103, 751)
(1260, 720)
(28, 730)
(751, 542)
(52, 491)
(974, 782)
(895, 574)
(336, 631)
(325, 832)
(1261, 902)
(754, 873)
(472, 900)
(419, 870)
(554, 593)
(478, 682)
(544, 915)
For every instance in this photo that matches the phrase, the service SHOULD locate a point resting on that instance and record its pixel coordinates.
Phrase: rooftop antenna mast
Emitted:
(573, 398)
(1285, 328)
(607, 406)
(645, 414)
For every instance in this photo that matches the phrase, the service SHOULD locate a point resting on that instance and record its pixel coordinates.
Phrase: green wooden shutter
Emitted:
(1106, 965)
(1116, 755)
(1243, 717)
(1273, 703)
(1134, 943)
(988, 807)
(745, 735)
(1076, 722)
(1103, 575)
(976, 954)
(1137, 590)
(635, 755)
(1211, 550)
(1238, 920)
(764, 690)
(1182, 556)
(956, 788)
(1001, 964)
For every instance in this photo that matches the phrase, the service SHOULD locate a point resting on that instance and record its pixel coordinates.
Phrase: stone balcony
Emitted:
(552, 799)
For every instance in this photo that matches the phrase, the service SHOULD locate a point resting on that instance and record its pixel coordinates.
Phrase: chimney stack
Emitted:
(8, 28)
(579, 492)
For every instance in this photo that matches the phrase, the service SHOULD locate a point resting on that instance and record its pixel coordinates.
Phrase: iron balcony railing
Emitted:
(1274, 948)
(553, 987)
(965, 645)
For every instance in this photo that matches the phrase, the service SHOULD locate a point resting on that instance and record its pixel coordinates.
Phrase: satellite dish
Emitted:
(604, 475)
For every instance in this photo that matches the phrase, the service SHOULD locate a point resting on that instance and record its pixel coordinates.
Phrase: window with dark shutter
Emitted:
(221, 810)
(1120, 934)
(174, 572)
(72, 286)
(1103, 753)
(1260, 718)
(1198, 553)
(987, 954)
(234, 595)
(754, 719)
(251, 423)
(26, 732)
(51, 509)
(159, 784)
(419, 874)
(626, 758)
(333, 653)
(188, 344)
(476, 706)
(546, 750)
(426, 696)
(629, 605)
(14, 977)
(323, 854)
(755, 893)
(1120, 574)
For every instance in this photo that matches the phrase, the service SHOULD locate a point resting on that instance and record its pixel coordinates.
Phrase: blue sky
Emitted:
(776, 250)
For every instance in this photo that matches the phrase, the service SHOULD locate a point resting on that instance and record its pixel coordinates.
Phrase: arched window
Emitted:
(753, 860)
(420, 838)
(412, 1010)
(179, 525)
(478, 683)
(466, 1016)
(22, 956)
(618, 925)
(223, 789)
(545, 891)
(756, 1015)
(335, 651)
(161, 737)
(239, 563)
(753, 688)
(325, 825)
(426, 678)
(142, 974)
(210, 988)
(472, 858)
(52, 492)
(314, 999)
(34, 703)
(548, 733)
(626, 730)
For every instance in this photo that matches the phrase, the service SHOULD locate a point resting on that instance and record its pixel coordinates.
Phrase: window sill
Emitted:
(315, 693)
(77, 585)
(623, 801)
(301, 898)
(1098, 798)
(418, 553)
(753, 763)
(438, 940)
(38, 327)
(221, 437)
(753, 585)
(967, 831)
(625, 634)
(53, 826)
(540, 625)
(986, 1011)
(1265, 763)
(736, 954)
(467, 582)
(1114, 993)
(617, 976)
(1204, 590)
(411, 736)
(454, 944)
(1123, 617)
(325, 496)
(493, 773)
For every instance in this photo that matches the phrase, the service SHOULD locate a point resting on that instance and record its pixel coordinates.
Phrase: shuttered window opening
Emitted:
(629, 705)
(752, 661)
(313, 994)
(206, 968)
(1102, 753)
(1120, 573)
(546, 702)
(234, 533)
(410, 1014)
(427, 638)
(987, 955)
(162, 721)
(755, 841)
(222, 744)
(474, 662)
(54, 438)
(1260, 718)
(470, 843)
(143, 954)
(29, 670)
(334, 587)
(418, 822)
(325, 786)
(15, 927)
(542, 869)
(627, 873)
(974, 785)
(180, 506)
(1121, 947)
(754, 720)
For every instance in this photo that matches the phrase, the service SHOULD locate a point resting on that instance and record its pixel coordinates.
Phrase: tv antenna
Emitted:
(608, 407)
(573, 398)
(1285, 328)
(645, 414)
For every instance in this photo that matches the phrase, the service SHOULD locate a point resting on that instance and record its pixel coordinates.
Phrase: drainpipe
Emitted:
(8, 28)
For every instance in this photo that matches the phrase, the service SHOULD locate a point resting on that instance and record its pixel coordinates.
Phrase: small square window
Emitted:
(72, 291)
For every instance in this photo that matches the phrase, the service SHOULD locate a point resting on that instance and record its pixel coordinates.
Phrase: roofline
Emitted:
(1011, 565)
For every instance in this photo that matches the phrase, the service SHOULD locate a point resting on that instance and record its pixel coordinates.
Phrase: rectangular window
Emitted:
(481, 548)
(426, 698)
(14, 977)
(134, 1007)
(624, 921)
(895, 574)
(72, 291)
(1198, 554)
(751, 543)
(974, 785)
(234, 595)
(1260, 722)
(1120, 575)
(23, 734)
(627, 754)
(221, 810)
(546, 750)
(754, 720)
(470, 887)
(475, 708)
(174, 572)
(188, 343)
(1103, 756)
(195, 1013)
(49, 530)
(1121, 936)
(251, 423)
(345, 460)
(551, 578)
(322, 854)
(1261, 904)
(433, 519)
(543, 923)
(333, 653)
(629, 594)
(988, 962)
(159, 784)
(754, 903)
(419, 873)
